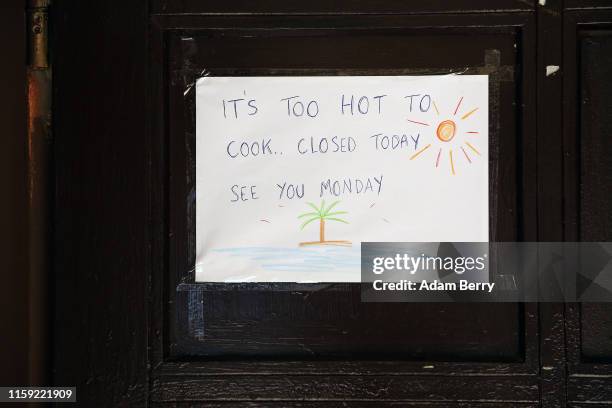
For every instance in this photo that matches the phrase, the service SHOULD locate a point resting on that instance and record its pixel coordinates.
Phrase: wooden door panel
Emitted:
(595, 174)
(588, 188)
(277, 7)
(591, 184)
(100, 210)
(595, 146)
(595, 182)
(126, 164)
(310, 321)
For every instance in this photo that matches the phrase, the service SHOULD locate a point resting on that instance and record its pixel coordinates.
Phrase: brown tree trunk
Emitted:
(322, 230)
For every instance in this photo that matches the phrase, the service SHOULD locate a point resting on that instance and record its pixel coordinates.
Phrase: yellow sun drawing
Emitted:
(446, 131)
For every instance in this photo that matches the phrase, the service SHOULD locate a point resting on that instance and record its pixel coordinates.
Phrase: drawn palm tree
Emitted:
(322, 214)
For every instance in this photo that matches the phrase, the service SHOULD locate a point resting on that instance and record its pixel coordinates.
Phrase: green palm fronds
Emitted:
(322, 213)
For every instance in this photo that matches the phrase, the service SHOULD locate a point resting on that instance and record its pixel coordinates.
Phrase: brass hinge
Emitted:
(38, 35)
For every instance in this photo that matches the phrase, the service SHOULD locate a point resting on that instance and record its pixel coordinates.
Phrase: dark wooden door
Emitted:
(588, 188)
(133, 328)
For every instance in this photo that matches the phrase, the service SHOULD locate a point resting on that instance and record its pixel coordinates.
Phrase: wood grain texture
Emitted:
(550, 189)
(318, 324)
(131, 323)
(14, 307)
(340, 7)
(591, 389)
(99, 315)
(430, 348)
(308, 324)
(344, 388)
(594, 144)
(586, 4)
(344, 404)
(587, 165)
(340, 367)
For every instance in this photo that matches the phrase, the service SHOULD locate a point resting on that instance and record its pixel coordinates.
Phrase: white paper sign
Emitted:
(293, 173)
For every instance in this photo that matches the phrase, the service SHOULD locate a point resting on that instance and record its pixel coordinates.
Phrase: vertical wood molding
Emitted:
(39, 187)
(100, 209)
(550, 188)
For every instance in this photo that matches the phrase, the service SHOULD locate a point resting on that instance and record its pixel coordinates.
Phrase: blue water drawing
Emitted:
(320, 259)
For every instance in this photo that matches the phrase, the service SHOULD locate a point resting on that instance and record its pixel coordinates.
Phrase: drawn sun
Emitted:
(446, 132)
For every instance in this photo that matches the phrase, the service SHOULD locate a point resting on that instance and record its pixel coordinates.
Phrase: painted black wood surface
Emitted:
(101, 243)
(309, 321)
(587, 122)
(14, 204)
(132, 327)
